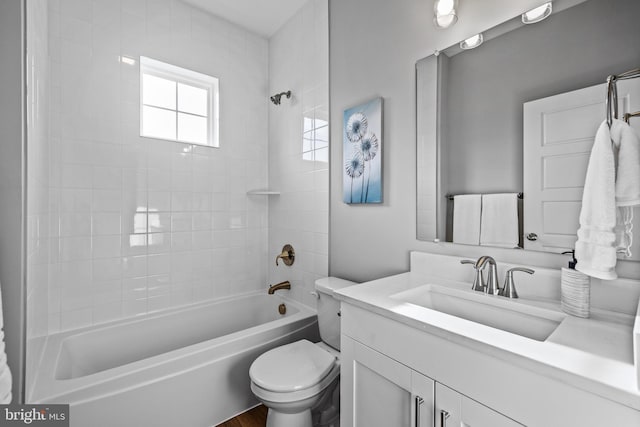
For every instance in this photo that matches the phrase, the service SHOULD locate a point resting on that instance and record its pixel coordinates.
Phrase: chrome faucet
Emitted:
(281, 285)
(493, 286)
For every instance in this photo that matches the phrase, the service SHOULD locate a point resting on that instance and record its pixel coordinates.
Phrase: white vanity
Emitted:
(422, 349)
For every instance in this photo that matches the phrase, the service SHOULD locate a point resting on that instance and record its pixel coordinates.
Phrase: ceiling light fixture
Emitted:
(537, 14)
(471, 42)
(445, 13)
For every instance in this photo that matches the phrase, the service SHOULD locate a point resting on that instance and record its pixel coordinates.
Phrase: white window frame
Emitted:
(188, 77)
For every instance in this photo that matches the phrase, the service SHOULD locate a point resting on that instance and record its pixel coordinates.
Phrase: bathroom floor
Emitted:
(256, 417)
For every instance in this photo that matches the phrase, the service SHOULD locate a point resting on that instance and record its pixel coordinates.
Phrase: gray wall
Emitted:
(489, 84)
(11, 180)
(374, 45)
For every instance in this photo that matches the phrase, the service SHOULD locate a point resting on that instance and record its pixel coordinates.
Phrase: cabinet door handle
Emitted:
(419, 402)
(443, 418)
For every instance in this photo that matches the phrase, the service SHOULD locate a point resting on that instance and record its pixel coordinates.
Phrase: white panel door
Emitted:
(558, 135)
(377, 391)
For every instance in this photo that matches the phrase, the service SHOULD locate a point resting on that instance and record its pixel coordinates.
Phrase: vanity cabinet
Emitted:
(384, 392)
(387, 365)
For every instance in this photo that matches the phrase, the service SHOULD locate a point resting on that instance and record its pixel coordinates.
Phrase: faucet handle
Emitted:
(478, 280)
(509, 288)
(288, 255)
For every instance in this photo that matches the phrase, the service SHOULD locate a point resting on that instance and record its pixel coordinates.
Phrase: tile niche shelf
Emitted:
(263, 193)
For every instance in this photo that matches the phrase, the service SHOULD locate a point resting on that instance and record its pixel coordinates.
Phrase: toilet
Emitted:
(299, 382)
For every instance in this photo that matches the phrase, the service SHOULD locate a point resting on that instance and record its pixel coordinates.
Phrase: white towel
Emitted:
(499, 223)
(604, 227)
(466, 219)
(627, 144)
(5, 373)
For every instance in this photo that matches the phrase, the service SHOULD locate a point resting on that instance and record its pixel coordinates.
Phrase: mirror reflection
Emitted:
(511, 123)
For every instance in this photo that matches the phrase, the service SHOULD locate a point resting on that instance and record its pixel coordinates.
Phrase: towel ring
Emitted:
(611, 102)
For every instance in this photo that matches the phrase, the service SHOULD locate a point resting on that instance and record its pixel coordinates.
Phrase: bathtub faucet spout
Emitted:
(281, 285)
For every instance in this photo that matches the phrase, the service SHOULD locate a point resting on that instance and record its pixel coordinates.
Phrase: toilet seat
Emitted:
(293, 372)
(296, 396)
(291, 367)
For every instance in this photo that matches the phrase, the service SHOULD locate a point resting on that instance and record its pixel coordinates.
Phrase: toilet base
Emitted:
(322, 410)
(281, 419)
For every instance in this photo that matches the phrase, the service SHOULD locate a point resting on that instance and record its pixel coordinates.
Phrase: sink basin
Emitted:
(497, 312)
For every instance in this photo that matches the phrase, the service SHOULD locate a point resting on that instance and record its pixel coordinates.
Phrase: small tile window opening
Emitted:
(177, 104)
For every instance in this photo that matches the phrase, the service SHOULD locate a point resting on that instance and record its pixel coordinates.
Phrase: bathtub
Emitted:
(186, 367)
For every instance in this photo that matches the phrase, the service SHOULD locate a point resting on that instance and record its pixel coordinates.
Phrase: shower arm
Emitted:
(277, 97)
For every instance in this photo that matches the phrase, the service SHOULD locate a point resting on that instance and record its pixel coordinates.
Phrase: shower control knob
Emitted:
(532, 237)
(288, 255)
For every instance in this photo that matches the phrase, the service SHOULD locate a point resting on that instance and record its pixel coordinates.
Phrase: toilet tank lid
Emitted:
(329, 284)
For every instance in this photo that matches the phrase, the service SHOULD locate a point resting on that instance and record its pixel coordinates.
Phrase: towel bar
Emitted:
(451, 196)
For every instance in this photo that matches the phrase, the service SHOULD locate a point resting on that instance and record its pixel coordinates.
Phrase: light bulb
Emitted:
(445, 13)
(444, 7)
(537, 14)
(471, 42)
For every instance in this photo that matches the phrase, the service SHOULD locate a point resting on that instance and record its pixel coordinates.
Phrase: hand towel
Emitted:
(5, 373)
(595, 250)
(466, 219)
(499, 220)
(627, 147)
(609, 194)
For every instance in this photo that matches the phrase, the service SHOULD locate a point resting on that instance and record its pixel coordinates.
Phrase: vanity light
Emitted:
(471, 42)
(537, 14)
(445, 13)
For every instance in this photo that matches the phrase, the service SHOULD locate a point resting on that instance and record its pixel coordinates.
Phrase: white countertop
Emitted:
(594, 354)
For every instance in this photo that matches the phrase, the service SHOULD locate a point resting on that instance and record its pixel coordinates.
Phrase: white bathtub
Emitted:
(188, 367)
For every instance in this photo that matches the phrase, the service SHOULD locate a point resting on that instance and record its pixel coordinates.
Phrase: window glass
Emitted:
(192, 99)
(158, 92)
(192, 128)
(158, 123)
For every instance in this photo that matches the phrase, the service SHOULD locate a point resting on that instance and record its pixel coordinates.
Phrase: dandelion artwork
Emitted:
(362, 144)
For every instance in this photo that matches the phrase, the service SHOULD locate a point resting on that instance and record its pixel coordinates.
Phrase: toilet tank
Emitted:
(329, 309)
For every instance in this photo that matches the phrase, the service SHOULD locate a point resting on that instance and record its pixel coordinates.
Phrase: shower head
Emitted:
(277, 97)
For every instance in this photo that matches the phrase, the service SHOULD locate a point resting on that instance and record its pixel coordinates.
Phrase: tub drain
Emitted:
(282, 309)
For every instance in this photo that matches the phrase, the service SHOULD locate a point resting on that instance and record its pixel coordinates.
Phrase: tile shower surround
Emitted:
(137, 224)
(298, 149)
(119, 225)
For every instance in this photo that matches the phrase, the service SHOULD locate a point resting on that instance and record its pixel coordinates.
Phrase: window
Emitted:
(315, 139)
(178, 104)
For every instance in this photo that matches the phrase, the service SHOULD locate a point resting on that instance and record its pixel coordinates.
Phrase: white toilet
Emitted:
(299, 382)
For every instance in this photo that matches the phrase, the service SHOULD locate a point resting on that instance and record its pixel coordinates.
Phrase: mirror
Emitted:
(471, 107)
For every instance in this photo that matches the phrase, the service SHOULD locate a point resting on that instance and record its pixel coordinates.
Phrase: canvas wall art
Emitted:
(362, 153)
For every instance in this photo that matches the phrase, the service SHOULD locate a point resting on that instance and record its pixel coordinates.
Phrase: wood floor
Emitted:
(256, 417)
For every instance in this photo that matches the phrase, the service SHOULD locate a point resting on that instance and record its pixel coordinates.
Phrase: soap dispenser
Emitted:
(575, 289)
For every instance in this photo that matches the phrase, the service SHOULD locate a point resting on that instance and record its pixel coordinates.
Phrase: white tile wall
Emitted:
(38, 212)
(298, 61)
(140, 225)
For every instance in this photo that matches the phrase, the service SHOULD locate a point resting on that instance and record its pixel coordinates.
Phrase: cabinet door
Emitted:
(377, 391)
(453, 409)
